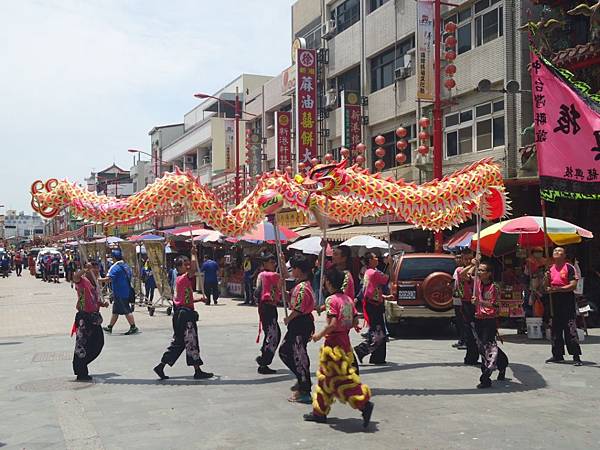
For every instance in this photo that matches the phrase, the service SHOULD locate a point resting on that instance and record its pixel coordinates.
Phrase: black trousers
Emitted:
(211, 289)
(18, 269)
(89, 341)
(293, 351)
(492, 357)
(468, 314)
(185, 337)
(459, 321)
(248, 291)
(149, 292)
(268, 320)
(376, 342)
(564, 327)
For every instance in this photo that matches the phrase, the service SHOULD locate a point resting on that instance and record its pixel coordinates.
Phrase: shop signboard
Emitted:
(292, 219)
(229, 125)
(425, 75)
(306, 104)
(351, 120)
(283, 139)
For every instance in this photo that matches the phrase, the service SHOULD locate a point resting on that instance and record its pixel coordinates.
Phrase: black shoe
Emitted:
(84, 378)
(458, 344)
(461, 347)
(160, 371)
(555, 360)
(311, 417)
(366, 413)
(485, 384)
(501, 375)
(577, 361)
(266, 370)
(199, 375)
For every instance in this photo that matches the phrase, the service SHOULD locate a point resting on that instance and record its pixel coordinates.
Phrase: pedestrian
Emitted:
(457, 295)
(337, 377)
(149, 282)
(486, 295)
(210, 268)
(119, 276)
(89, 338)
(341, 261)
(18, 261)
(301, 327)
(268, 292)
(465, 285)
(375, 343)
(5, 265)
(55, 268)
(248, 276)
(185, 329)
(561, 282)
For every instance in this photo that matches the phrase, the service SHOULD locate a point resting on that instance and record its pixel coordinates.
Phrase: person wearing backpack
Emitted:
(119, 275)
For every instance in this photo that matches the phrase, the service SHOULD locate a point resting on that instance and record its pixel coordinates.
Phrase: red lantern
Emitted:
(401, 158)
(345, 152)
(450, 69)
(423, 135)
(424, 122)
(450, 41)
(360, 160)
(401, 132)
(360, 147)
(380, 152)
(380, 140)
(450, 83)
(401, 145)
(328, 157)
(450, 55)
(450, 27)
(379, 164)
(423, 149)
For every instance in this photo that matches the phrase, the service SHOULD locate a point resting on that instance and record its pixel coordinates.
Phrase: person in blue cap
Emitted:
(119, 275)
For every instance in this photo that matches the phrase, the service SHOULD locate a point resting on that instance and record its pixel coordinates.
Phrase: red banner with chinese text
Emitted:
(567, 136)
(351, 120)
(283, 128)
(306, 104)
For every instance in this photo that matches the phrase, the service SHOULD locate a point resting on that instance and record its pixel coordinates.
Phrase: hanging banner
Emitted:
(351, 119)
(567, 136)
(229, 125)
(425, 75)
(306, 104)
(156, 258)
(283, 128)
(129, 252)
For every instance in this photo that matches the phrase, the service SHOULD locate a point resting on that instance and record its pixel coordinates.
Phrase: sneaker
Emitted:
(457, 344)
(266, 370)
(366, 414)
(461, 347)
(200, 375)
(160, 371)
(84, 378)
(108, 329)
(485, 384)
(132, 330)
(311, 417)
(555, 360)
(577, 361)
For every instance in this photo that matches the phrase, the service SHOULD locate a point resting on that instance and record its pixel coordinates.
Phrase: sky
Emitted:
(83, 81)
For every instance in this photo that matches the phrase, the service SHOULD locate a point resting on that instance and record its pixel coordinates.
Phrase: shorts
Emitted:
(121, 307)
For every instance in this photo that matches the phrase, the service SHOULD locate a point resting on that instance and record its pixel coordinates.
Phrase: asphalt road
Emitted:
(424, 398)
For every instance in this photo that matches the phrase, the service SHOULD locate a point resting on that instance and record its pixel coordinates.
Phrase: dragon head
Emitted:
(327, 179)
(47, 198)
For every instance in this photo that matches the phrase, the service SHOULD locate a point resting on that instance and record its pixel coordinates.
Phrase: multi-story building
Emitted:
(21, 225)
(112, 181)
(161, 137)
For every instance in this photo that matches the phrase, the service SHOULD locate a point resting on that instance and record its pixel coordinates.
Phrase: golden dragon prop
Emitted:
(342, 193)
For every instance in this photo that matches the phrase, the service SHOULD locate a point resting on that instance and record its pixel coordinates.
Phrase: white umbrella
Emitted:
(310, 246)
(365, 241)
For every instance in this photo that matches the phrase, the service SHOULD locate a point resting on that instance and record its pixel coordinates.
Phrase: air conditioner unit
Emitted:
(331, 99)
(402, 73)
(328, 29)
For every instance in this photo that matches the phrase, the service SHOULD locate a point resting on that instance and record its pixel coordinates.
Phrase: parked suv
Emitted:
(420, 283)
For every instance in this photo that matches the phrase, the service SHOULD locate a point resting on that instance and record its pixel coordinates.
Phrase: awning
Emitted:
(377, 231)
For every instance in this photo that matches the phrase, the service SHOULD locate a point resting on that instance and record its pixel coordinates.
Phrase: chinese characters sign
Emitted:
(351, 120)
(229, 125)
(306, 104)
(425, 49)
(567, 137)
(283, 127)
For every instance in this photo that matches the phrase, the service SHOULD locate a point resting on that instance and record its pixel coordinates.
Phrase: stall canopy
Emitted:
(265, 232)
(197, 230)
(376, 231)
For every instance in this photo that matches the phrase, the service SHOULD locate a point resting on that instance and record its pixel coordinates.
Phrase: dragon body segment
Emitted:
(344, 194)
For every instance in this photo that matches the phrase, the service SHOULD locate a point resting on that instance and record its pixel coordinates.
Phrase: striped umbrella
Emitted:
(505, 237)
(265, 232)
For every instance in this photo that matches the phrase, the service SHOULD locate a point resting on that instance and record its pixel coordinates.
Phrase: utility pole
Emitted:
(437, 108)
(237, 146)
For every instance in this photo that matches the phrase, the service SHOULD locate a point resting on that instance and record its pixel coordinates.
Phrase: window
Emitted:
(462, 19)
(487, 16)
(346, 14)
(390, 147)
(349, 81)
(488, 25)
(374, 4)
(459, 133)
(384, 64)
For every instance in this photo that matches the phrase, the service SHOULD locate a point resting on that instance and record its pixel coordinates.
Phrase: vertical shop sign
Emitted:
(425, 76)
(283, 128)
(306, 104)
(351, 120)
(229, 125)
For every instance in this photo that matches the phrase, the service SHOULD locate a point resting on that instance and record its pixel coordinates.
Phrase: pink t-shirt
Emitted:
(87, 296)
(184, 292)
(348, 286)
(342, 308)
(271, 287)
(372, 283)
(487, 300)
(465, 286)
(303, 298)
(563, 276)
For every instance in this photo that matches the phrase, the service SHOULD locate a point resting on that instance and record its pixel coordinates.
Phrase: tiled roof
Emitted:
(578, 54)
